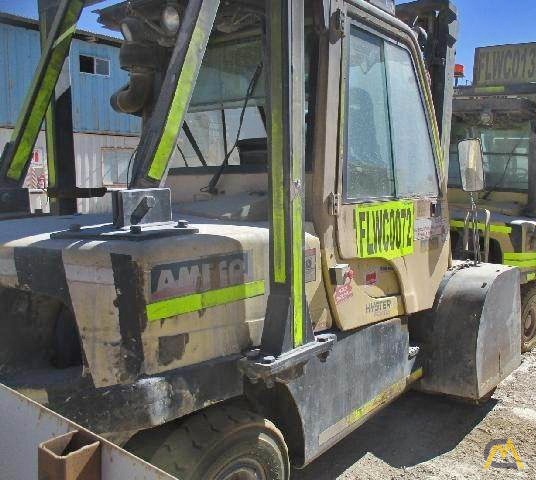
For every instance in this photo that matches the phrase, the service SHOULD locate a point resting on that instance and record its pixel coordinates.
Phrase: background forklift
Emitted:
(499, 110)
(294, 288)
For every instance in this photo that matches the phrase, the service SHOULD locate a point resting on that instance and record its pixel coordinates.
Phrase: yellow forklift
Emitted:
(249, 303)
(500, 111)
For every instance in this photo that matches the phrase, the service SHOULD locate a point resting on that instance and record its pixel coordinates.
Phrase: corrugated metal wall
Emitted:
(19, 56)
(96, 125)
(91, 93)
(88, 158)
(88, 149)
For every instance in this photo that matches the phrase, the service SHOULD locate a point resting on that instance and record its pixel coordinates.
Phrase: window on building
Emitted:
(94, 65)
(115, 166)
(389, 150)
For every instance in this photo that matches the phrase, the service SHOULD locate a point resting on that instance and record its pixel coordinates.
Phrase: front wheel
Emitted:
(528, 317)
(220, 443)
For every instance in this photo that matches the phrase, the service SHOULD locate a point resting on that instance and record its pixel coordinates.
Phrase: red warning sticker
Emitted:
(343, 293)
(371, 278)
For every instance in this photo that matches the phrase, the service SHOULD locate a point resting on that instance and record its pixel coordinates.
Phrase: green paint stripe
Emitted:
(297, 168)
(385, 396)
(44, 85)
(377, 402)
(198, 301)
(524, 260)
(343, 101)
(481, 226)
(520, 263)
(494, 89)
(520, 256)
(50, 134)
(65, 36)
(183, 92)
(276, 142)
(297, 270)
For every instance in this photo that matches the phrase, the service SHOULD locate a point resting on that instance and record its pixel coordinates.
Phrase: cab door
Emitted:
(392, 228)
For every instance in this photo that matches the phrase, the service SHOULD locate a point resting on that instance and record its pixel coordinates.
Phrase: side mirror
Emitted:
(471, 165)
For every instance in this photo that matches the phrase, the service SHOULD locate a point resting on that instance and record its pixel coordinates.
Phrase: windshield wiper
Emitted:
(193, 143)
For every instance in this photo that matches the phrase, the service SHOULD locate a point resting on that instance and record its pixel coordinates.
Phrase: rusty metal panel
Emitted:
(505, 65)
(24, 424)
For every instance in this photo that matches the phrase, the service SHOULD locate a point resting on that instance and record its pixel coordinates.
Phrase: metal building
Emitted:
(104, 140)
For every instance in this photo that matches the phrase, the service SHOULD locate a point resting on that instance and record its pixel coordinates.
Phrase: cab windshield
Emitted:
(212, 124)
(506, 155)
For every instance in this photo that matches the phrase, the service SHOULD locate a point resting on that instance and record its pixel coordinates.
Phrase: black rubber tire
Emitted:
(214, 444)
(528, 317)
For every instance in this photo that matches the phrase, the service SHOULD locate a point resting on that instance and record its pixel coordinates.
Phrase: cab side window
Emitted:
(388, 146)
(369, 168)
(414, 157)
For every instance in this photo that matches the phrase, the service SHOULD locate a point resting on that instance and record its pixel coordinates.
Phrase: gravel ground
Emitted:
(421, 436)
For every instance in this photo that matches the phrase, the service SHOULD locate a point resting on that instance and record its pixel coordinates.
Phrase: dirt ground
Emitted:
(421, 436)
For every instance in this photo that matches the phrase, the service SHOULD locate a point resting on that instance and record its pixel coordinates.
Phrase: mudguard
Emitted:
(471, 339)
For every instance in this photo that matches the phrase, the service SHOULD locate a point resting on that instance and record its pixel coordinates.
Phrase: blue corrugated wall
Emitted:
(91, 93)
(19, 55)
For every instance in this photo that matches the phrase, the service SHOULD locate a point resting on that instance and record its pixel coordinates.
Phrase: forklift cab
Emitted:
(370, 173)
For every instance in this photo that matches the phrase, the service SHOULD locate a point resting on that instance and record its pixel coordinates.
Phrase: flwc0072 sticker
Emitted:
(385, 230)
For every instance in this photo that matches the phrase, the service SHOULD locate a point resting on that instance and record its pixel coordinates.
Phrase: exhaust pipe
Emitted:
(138, 57)
(134, 95)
